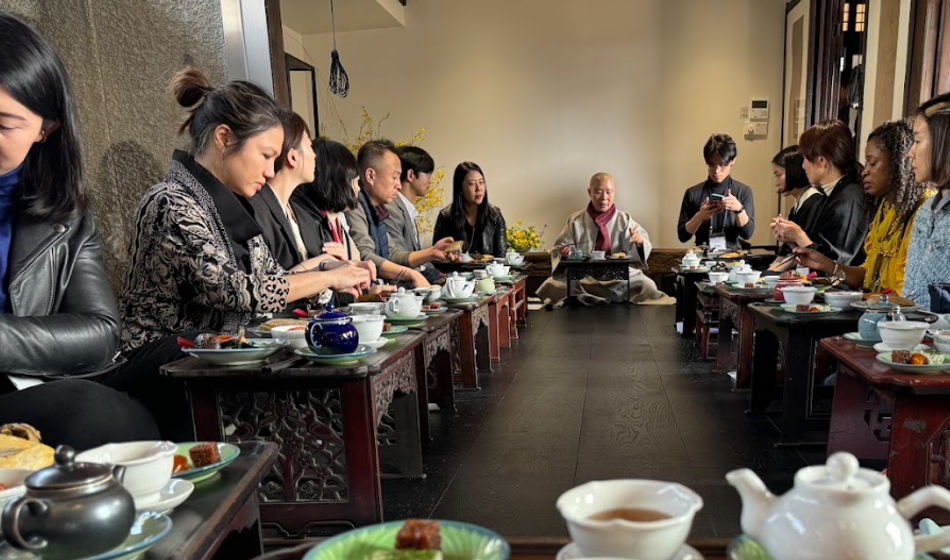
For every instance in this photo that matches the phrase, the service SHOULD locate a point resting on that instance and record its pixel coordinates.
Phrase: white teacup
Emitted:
(366, 308)
(148, 464)
(644, 540)
(369, 327)
(486, 285)
(598, 255)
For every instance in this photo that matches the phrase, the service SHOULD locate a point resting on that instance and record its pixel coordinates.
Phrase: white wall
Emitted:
(543, 93)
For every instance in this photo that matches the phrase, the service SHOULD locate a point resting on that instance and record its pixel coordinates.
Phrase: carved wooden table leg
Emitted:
(920, 443)
(855, 413)
(482, 328)
(394, 390)
(467, 329)
(728, 314)
(494, 327)
(746, 332)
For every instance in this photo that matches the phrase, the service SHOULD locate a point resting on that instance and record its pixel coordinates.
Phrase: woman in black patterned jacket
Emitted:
(198, 259)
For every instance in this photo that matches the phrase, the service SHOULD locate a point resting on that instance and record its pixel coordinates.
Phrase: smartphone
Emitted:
(716, 197)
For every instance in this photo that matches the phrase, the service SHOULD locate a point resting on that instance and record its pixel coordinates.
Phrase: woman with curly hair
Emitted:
(889, 178)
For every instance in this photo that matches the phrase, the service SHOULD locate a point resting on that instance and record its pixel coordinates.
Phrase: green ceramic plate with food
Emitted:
(460, 541)
(228, 451)
(935, 362)
(395, 330)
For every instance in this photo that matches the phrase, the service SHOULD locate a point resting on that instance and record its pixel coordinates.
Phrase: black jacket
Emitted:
(277, 231)
(842, 224)
(489, 236)
(64, 319)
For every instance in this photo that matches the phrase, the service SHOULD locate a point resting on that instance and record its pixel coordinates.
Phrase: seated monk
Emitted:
(601, 227)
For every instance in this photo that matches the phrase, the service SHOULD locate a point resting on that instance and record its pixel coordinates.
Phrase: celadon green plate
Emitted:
(148, 529)
(460, 541)
(744, 547)
(228, 451)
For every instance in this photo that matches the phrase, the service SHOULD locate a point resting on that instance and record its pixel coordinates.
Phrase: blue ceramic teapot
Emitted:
(332, 332)
(880, 311)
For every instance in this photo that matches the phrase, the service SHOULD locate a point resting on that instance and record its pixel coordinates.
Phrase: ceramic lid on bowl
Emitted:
(331, 315)
(841, 473)
(66, 473)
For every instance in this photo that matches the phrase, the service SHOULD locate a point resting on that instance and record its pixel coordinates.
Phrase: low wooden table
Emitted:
(500, 311)
(335, 426)
(798, 336)
(707, 316)
(221, 519)
(441, 357)
(686, 296)
(881, 413)
(519, 304)
(475, 326)
(734, 312)
(605, 269)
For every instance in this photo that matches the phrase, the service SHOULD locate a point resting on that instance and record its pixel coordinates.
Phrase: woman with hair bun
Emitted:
(791, 181)
(888, 178)
(842, 223)
(198, 259)
(58, 318)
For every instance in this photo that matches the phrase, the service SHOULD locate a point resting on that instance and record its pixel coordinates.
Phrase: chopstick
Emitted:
(785, 261)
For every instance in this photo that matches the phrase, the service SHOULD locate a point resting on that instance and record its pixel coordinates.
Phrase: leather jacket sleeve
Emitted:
(500, 238)
(80, 333)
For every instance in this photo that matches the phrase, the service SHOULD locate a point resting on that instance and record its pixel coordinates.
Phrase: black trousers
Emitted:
(80, 413)
(164, 397)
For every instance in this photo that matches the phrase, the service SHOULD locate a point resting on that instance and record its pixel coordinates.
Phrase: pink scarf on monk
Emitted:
(601, 219)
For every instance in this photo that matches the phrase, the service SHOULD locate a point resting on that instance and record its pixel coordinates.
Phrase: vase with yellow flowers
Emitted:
(523, 238)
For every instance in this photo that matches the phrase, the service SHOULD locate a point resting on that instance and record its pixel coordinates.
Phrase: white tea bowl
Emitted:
(902, 335)
(644, 540)
(366, 308)
(369, 327)
(942, 340)
(294, 336)
(799, 295)
(148, 464)
(718, 277)
(842, 299)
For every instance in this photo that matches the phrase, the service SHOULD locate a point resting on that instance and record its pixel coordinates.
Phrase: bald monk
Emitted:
(601, 227)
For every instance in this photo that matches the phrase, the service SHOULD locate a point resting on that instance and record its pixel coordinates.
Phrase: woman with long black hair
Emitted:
(58, 318)
(470, 218)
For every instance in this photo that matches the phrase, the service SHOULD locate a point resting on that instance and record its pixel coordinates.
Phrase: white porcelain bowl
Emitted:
(842, 300)
(771, 281)
(598, 255)
(942, 340)
(644, 540)
(748, 276)
(430, 293)
(13, 480)
(294, 336)
(148, 464)
(902, 335)
(369, 327)
(799, 295)
(718, 277)
(366, 308)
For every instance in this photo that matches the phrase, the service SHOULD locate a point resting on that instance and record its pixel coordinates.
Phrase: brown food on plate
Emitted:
(19, 453)
(23, 431)
(435, 306)
(204, 454)
(271, 323)
(179, 464)
(387, 327)
(918, 359)
(455, 247)
(619, 255)
(900, 357)
(419, 534)
(2, 487)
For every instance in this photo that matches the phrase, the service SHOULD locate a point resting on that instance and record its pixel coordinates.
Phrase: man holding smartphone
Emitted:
(720, 210)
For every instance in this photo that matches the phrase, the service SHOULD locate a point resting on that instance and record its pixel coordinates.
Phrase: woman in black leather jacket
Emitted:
(470, 218)
(58, 316)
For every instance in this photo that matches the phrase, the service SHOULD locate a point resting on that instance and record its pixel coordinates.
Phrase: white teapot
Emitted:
(514, 258)
(404, 305)
(690, 260)
(457, 287)
(497, 270)
(739, 268)
(836, 510)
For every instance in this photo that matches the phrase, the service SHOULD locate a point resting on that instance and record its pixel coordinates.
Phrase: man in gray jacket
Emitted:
(404, 245)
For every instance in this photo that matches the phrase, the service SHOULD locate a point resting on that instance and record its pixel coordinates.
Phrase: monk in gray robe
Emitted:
(601, 227)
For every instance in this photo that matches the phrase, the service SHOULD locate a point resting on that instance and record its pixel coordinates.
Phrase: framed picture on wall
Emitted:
(302, 84)
(797, 45)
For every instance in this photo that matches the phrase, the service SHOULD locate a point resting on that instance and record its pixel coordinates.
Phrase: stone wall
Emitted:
(120, 55)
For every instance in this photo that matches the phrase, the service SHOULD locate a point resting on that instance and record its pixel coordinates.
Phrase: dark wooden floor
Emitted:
(592, 394)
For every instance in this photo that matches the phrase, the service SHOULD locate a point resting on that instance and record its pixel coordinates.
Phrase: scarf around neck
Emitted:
(601, 219)
(8, 186)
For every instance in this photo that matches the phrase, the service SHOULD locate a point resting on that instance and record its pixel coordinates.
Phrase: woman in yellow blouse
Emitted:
(887, 177)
